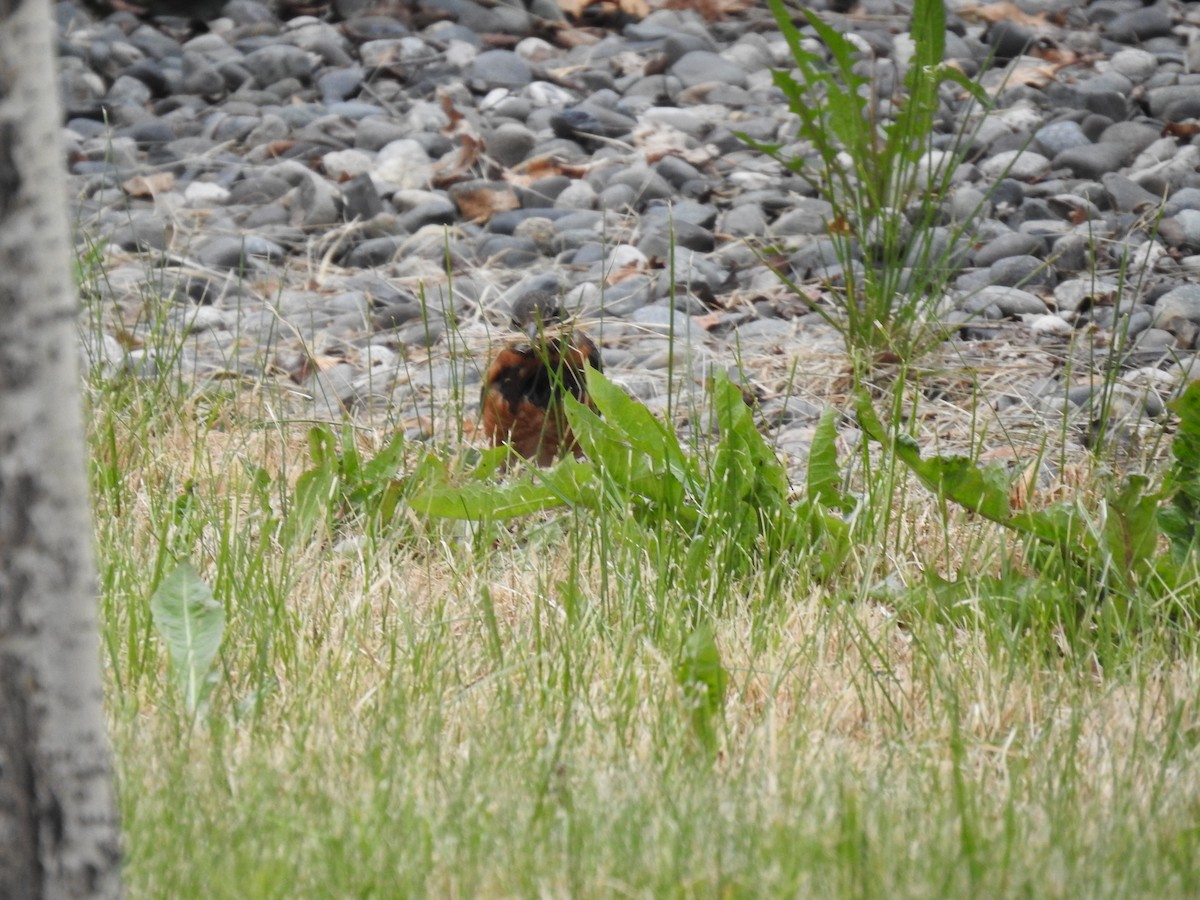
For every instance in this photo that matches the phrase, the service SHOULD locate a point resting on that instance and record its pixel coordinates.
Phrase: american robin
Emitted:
(521, 402)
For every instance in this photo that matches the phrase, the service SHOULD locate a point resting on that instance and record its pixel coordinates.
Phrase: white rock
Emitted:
(343, 165)
(1020, 164)
(1136, 65)
(205, 193)
(1049, 324)
(403, 163)
(625, 255)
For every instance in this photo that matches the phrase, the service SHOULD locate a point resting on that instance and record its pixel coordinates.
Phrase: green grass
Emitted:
(500, 708)
(674, 669)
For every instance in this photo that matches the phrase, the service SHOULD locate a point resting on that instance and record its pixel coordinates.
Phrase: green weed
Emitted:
(873, 159)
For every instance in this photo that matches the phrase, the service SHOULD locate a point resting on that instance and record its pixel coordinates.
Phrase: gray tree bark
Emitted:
(59, 834)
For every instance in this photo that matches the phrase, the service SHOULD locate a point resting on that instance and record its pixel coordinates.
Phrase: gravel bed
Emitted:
(346, 200)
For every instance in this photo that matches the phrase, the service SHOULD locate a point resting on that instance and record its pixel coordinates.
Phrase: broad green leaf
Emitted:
(311, 499)
(191, 623)
(742, 443)
(322, 448)
(704, 681)
(385, 463)
(640, 426)
(1180, 519)
(629, 425)
(1131, 527)
(983, 490)
(824, 479)
(568, 482)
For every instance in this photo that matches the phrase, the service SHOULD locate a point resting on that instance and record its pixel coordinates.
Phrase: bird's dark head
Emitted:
(533, 311)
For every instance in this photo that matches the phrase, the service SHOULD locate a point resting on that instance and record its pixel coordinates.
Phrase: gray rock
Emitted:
(1058, 137)
(498, 69)
(704, 67)
(1169, 101)
(1011, 244)
(1016, 164)
(1017, 271)
(276, 62)
(1009, 301)
(1125, 195)
(1139, 25)
(1092, 160)
(238, 252)
(1182, 302)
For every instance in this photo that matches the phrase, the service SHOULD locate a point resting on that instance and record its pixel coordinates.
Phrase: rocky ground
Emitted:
(345, 200)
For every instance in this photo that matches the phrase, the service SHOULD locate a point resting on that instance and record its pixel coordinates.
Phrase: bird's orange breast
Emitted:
(521, 404)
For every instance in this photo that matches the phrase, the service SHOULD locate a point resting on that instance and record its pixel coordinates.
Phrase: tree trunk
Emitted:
(58, 825)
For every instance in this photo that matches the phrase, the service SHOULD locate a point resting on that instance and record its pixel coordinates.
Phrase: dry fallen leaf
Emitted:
(1059, 57)
(458, 166)
(616, 276)
(526, 173)
(451, 111)
(711, 10)
(1033, 76)
(656, 140)
(1002, 12)
(480, 204)
(1183, 130)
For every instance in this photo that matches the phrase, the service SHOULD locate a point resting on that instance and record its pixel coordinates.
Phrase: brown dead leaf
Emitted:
(656, 140)
(460, 166)
(451, 111)
(148, 185)
(526, 173)
(1183, 130)
(1059, 57)
(1002, 12)
(481, 203)
(616, 276)
(1033, 76)
(839, 225)
(711, 10)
